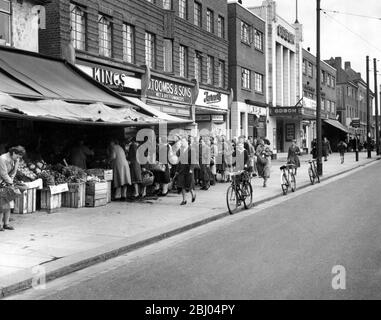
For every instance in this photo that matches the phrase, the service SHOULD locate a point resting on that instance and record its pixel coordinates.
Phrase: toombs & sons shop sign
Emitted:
(168, 90)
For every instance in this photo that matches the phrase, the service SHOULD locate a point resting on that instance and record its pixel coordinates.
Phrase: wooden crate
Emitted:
(96, 201)
(26, 203)
(94, 188)
(75, 197)
(104, 174)
(109, 191)
(50, 202)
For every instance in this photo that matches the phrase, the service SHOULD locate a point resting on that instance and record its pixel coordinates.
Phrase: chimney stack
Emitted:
(347, 65)
(338, 62)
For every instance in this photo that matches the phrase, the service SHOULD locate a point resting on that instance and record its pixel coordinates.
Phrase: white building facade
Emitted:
(284, 78)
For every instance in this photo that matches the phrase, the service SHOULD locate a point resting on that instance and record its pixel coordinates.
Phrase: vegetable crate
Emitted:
(26, 203)
(104, 174)
(96, 193)
(75, 197)
(50, 202)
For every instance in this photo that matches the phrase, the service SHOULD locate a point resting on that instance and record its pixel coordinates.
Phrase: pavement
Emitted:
(49, 246)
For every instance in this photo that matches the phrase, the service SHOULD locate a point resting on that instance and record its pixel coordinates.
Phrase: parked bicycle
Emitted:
(287, 178)
(240, 191)
(312, 172)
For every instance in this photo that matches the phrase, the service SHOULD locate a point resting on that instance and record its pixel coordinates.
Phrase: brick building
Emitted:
(168, 55)
(332, 128)
(247, 71)
(351, 97)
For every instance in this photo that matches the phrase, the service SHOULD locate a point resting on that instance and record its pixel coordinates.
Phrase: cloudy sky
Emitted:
(336, 39)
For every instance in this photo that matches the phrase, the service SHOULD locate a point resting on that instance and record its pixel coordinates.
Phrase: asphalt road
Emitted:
(286, 249)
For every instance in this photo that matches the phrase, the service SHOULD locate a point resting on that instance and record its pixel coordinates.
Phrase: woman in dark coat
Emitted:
(135, 168)
(293, 155)
(185, 174)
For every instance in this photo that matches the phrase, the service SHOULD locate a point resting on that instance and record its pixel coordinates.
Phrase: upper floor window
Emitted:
(167, 4)
(197, 14)
(183, 57)
(128, 43)
(258, 40)
(221, 27)
(305, 66)
(5, 21)
(168, 55)
(150, 43)
(245, 78)
(198, 66)
(245, 32)
(322, 76)
(78, 26)
(183, 9)
(209, 21)
(309, 69)
(210, 70)
(258, 82)
(221, 74)
(105, 36)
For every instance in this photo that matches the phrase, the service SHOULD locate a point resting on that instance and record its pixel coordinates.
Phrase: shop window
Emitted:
(198, 66)
(221, 27)
(78, 26)
(245, 33)
(5, 21)
(210, 70)
(258, 82)
(197, 14)
(183, 57)
(168, 55)
(246, 78)
(150, 44)
(183, 9)
(209, 21)
(221, 74)
(128, 43)
(258, 40)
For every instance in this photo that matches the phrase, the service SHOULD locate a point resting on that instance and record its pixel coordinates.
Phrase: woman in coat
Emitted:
(326, 148)
(121, 170)
(263, 154)
(293, 155)
(162, 177)
(135, 168)
(185, 174)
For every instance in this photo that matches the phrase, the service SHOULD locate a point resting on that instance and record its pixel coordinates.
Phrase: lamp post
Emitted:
(368, 140)
(318, 94)
(376, 107)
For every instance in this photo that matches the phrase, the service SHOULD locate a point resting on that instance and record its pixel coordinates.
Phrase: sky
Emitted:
(336, 39)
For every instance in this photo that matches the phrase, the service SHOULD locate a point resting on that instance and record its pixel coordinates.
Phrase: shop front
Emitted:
(211, 112)
(289, 126)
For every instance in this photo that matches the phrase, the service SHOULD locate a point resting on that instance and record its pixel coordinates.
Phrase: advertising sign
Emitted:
(285, 111)
(208, 98)
(169, 90)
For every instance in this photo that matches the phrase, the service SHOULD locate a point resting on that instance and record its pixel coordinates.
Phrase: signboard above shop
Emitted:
(285, 111)
(207, 98)
(169, 90)
(285, 34)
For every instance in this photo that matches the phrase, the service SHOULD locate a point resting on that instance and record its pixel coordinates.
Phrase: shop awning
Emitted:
(156, 113)
(28, 74)
(336, 124)
(53, 110)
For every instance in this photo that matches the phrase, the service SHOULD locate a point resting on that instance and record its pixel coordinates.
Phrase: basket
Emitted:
(147, 178)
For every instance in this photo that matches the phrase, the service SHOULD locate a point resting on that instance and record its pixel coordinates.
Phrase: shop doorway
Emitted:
(279, 136)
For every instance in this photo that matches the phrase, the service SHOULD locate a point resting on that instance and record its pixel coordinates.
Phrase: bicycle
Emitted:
(240, 191)
(312, 172)
(287, 178)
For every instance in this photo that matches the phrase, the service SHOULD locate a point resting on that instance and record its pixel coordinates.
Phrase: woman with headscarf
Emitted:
(263, 154)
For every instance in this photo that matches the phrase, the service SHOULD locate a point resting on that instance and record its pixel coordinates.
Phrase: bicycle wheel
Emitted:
(284, 184)
(293, 182)
(232, 200)
(247, 191)
(312, 176)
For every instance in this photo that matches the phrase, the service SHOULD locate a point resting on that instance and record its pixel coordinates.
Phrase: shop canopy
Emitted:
(157, 113)
(336, 124)
(31, 75)
(58, 110)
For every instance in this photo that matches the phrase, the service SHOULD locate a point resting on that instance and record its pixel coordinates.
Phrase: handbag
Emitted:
(8, 193)
(147, 178)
